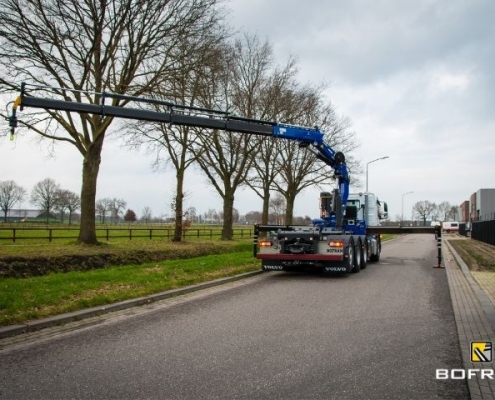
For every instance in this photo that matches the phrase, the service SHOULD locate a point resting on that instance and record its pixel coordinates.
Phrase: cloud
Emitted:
(415, 78)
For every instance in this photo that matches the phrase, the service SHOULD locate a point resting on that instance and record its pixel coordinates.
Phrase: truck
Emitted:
(329, 245)
(339, 241)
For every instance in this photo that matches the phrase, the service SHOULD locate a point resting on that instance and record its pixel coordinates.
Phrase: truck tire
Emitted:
(364, 254)
(350, 255)
(376, 257)
(357, 257)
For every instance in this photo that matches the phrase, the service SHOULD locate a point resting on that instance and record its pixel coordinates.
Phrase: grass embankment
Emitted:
(477, 255)
(23, 299)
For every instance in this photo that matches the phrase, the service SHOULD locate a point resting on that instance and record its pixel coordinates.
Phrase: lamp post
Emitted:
(402, 217)
(366, 193)
(367, 164)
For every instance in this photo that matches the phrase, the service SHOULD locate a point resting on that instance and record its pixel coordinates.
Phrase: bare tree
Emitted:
(283, 166)
(87, 47)
(73, 204)
(116, 208)
(226, 159)
(277, 101)
(44, 195)
(191, 214)
(277, 208)
(254, 217)
(441, 212)
(67, 200)
(174, 142)
(454, 213)
(102, 208)
(146, 215)
(10, 194)
(212, 215)
(424, 209)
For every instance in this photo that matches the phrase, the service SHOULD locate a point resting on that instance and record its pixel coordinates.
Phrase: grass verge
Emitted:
(477, 255)
(32, 298)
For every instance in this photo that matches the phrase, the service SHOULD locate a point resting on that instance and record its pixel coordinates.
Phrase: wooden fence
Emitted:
(15, 234)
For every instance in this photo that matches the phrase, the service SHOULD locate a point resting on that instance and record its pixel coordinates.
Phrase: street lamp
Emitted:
(402, 218)
(368, 163)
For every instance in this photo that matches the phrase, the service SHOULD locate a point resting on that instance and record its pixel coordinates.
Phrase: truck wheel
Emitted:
(350, 255)
(364, 254)
(357, 257)
(376, 257)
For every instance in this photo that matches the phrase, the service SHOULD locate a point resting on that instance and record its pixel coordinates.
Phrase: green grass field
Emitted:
(38, 297)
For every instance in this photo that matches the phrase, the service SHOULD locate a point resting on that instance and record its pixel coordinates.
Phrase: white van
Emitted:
(450, 226)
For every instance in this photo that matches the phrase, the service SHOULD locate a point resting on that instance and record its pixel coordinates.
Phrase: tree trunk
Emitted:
(289, 210)
(228, 217)
(179, 210)
(91, 167)
(266, 207)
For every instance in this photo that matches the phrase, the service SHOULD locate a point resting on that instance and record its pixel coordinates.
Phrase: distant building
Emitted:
(464, 212)
(482, 205)
(27, 216)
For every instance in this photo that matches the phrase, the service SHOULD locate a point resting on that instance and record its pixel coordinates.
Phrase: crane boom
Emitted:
(176, 114)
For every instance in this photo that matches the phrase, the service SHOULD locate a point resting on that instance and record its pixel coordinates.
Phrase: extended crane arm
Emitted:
(310, 138)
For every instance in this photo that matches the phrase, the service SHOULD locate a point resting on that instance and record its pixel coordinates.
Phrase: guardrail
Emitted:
(51, 234)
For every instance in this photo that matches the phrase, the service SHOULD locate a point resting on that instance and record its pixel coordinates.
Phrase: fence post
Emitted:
(13, 235)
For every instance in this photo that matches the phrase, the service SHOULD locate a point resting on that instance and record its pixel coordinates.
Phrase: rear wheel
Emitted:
(364, 254)
(376, 257)
(357, 257)
(350, 255)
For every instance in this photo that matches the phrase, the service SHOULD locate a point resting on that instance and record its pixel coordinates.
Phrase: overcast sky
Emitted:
(415, 77)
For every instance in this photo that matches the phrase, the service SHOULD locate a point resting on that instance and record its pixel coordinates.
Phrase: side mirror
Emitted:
(383, 213)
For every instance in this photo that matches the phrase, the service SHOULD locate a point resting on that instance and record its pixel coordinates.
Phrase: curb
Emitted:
(474, 318)
(484, 300)
(13, 330)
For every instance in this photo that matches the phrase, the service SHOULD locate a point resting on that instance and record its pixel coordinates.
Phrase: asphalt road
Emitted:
(378, 334)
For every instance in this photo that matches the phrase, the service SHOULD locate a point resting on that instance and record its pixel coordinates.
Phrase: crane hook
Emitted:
(13, 117)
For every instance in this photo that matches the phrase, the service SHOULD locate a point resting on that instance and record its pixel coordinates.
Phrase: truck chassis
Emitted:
(307, 248)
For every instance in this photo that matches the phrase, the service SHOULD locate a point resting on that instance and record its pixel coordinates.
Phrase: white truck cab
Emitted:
(370, 208)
